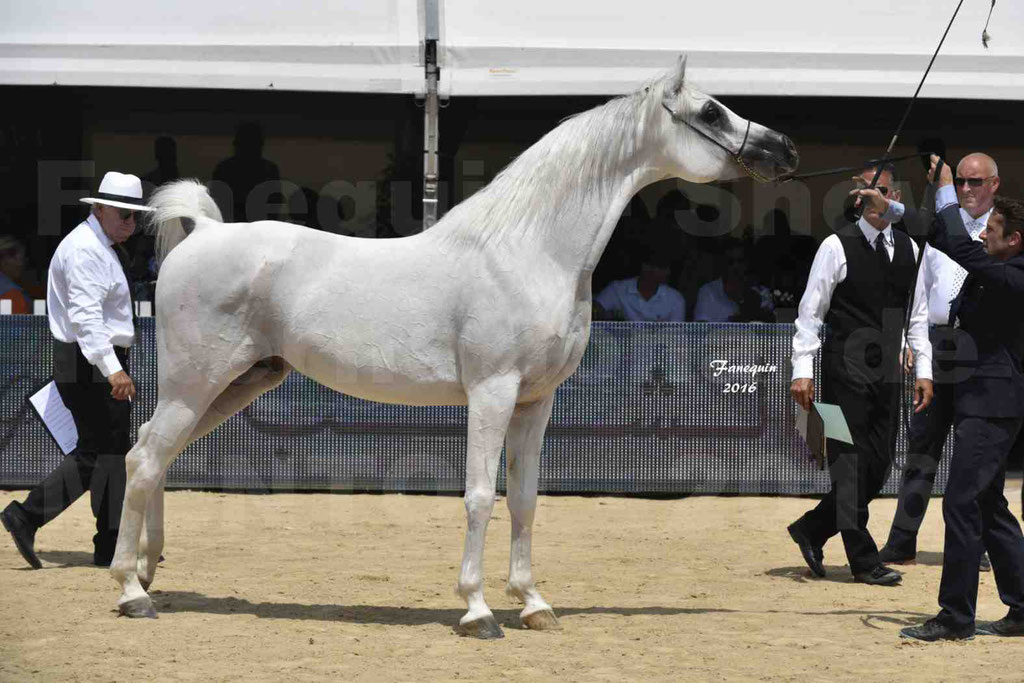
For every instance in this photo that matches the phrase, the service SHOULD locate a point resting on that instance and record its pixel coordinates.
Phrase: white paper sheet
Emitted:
(56, 417)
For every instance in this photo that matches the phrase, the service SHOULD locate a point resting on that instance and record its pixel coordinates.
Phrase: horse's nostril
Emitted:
(792, 156)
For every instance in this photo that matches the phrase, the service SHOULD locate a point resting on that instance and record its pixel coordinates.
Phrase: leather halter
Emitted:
(736, 156)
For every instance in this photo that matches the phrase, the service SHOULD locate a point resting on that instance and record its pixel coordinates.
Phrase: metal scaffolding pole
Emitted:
(430, 115)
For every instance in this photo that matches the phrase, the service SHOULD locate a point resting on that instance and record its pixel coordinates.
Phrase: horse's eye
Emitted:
(711, 113)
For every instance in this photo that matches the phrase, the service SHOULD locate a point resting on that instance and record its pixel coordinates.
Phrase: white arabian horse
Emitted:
(490, 308)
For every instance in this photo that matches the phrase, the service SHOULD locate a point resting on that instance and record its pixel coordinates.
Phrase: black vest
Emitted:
(866, 314)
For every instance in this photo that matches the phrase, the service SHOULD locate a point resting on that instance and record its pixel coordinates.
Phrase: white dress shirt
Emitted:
(714, 305)
(623, 296)
(87, 297)
(827, 271)
(941, 275)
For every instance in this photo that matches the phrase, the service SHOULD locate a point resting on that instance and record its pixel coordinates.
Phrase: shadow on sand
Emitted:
(170, 602)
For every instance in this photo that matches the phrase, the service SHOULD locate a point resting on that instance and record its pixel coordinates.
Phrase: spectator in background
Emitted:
(12, 266)
(733, 297)
(787, 286)
(308, 214)
(165, 149)
(240, 175)
(646, 297)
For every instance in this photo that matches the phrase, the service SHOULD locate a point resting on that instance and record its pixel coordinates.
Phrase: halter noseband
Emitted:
(735, 155)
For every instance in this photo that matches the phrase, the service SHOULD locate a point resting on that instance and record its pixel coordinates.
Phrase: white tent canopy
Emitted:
(529, 47)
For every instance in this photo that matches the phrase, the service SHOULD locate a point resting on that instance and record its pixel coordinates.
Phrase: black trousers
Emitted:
(859, 471)
(978, 519)
(97, 463)
(926, 439)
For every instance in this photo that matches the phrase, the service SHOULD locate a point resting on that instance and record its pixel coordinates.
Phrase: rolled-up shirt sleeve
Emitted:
(88, 285)
(918, 333)
(945, 196)
(826, 273)
(894, 212)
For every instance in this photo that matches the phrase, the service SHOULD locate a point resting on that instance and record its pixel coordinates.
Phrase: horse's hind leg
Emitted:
(160, 440)
(251, 384)
(152, 540)
(490, 407)
(522, 452)
(258, 380)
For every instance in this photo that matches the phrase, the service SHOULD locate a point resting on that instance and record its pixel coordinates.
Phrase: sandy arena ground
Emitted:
(360, 587)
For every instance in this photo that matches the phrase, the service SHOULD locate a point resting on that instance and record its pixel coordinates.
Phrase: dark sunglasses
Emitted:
(127, 214)
(973, 182)
(882, 189)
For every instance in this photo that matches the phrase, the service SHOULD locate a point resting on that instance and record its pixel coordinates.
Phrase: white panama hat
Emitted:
(122, 190)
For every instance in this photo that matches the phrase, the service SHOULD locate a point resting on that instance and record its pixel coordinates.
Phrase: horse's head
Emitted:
(705, 141)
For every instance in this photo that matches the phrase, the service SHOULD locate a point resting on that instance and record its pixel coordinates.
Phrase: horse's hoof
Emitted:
(542, 620)
(485, 628)
(138, 608)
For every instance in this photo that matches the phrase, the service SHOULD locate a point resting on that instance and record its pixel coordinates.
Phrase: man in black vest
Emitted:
(988, 405)
(859, 285)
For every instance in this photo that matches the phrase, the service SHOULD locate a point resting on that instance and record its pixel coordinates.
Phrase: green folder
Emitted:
(825, 421)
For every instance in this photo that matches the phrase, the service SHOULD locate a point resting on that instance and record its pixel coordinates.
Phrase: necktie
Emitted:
(883, 255)
(125, 261)
(959, 274)
(954, 308)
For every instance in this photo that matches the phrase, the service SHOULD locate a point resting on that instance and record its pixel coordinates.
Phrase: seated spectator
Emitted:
(12, 265)
(643, 298)
(733, 297)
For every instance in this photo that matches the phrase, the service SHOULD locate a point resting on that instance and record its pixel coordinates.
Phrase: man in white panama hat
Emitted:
(90, 311)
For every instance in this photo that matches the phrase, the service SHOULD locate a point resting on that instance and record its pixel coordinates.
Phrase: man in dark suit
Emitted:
(989, 408)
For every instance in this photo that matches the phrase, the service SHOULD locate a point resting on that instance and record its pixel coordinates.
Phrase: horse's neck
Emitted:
(561, 199)
(588, 206)
(585, 241)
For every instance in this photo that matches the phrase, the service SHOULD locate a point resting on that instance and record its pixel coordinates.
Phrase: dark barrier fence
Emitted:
(653, 409)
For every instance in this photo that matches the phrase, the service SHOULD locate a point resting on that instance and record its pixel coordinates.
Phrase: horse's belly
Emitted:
(377, 375)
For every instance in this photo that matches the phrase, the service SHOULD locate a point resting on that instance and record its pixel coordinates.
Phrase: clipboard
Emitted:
(48, 406)
(825, 421)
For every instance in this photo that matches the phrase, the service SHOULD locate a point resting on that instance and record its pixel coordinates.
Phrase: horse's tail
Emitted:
(178, 206)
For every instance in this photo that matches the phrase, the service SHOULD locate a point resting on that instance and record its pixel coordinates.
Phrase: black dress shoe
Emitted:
(23, 533)
(1004, 627)
(933, 630)
(879, 576)
(813, 554)
(889, 555)
(985, 565)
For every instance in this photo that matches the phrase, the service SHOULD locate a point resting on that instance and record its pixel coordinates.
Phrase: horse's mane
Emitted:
(544, 186)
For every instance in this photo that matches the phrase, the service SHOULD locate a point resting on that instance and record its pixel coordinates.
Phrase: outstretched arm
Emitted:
(953, 239)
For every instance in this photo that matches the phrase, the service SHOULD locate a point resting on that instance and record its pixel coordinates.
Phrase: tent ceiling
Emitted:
(744, 47)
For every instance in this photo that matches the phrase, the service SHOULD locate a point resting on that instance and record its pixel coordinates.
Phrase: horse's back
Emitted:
(361, 316)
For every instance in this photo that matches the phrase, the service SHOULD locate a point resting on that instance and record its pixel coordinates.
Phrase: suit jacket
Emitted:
(990, 309)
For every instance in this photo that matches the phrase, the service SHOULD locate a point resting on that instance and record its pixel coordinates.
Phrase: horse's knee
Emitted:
(478, 501)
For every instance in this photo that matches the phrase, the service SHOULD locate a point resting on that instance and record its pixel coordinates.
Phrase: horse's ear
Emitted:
(675, 84)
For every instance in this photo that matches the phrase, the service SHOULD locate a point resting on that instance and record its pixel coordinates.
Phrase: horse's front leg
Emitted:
(490, 407)
(522, 453)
